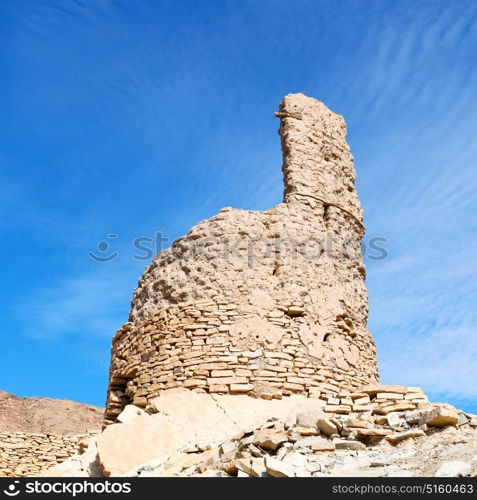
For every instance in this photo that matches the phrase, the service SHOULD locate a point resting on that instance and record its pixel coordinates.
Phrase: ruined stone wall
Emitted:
(224, 347)
(28, 454)
(268, 302)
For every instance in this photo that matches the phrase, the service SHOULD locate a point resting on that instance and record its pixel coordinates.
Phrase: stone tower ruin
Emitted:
(266, 303)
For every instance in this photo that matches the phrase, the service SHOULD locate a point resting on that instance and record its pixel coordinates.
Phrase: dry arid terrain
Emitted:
(46, 415)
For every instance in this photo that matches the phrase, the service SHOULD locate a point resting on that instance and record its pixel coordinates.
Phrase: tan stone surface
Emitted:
(183, 418)
(440, 417)
(248, 411)
(142, 439)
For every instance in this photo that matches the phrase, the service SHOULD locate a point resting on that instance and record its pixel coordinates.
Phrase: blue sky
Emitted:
(132, 118)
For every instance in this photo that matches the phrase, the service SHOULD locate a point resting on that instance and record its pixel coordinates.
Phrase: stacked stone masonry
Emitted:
(265, 303)
(221, 347)
(28, 454)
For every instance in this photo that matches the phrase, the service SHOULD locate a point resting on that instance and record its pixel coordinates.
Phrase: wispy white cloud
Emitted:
(420, 192)
(441, 359)
(91, 304)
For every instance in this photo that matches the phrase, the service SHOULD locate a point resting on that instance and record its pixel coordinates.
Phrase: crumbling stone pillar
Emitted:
(264, 303)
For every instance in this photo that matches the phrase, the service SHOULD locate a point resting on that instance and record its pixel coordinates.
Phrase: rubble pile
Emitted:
(380, 430)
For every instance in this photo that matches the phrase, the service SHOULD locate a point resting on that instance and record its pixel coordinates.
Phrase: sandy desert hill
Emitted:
(47, 415)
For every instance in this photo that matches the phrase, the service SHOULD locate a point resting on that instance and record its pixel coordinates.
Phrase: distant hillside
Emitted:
(47, 415)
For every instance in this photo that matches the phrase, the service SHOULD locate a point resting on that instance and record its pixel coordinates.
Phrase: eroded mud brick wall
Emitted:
(265, 303)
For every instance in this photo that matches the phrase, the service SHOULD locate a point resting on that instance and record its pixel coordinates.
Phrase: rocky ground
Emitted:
(378, 431)
(449, 452)
(46, 415)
